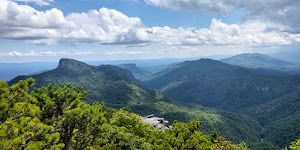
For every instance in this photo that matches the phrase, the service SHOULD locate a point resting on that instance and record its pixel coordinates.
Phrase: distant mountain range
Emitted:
(260, 61)
(256, 100)
(117, 88)
(234, 88)
(137, 72)
(9, 71)
(113, 85)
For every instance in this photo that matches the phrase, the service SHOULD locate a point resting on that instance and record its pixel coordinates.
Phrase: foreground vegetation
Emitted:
(56, 117)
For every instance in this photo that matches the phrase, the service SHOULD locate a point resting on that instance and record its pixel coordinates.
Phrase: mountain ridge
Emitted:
(215, 84)
(261, 61)
(107, 84)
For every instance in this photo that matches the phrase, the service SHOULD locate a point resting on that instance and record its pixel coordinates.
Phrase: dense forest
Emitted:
(255, 124)
(117, 88)
(56, 117)
(270, 99)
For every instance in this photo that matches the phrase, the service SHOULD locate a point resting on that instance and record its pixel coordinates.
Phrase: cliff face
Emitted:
(68, 63)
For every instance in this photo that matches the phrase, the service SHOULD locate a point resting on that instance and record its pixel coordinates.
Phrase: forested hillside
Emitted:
(56, 117)
(136, 71)
(269, 99)
(106, 83)
(279, 118)
(215, 84)
(116, 88)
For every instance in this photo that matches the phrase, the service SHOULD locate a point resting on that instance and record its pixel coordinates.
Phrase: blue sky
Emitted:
(47, 30)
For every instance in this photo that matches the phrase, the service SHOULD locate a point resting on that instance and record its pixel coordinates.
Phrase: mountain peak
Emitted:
(67, 63)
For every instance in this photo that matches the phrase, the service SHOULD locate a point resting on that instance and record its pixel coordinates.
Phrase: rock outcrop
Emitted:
(159, 123)
(68, 63)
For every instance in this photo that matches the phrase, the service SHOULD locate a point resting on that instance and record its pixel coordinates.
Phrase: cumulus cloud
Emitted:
(103, 26)
(284, 12)
(219, 33)
(109, 26)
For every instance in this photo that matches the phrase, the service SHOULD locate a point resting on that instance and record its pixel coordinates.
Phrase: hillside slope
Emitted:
(281, 115)
(269, 99)
(136, 71)
(215, 84)
(112, 85)
(106, 83)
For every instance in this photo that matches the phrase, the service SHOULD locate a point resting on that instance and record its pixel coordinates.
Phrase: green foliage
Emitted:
(295, 145)
(279, 118)
(219, 85)
(222, 144)
(115, 88)
(272, 101)
(263, 146)
(20, 126)
(56, 117)
(236, 127)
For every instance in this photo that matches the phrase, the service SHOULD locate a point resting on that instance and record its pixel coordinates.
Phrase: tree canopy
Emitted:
(55, 117)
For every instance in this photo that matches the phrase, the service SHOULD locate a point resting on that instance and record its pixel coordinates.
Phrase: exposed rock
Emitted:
(159, 123)
(67, 63)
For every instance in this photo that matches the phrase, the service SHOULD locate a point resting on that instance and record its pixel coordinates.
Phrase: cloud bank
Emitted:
(283, 12)
(109, 26)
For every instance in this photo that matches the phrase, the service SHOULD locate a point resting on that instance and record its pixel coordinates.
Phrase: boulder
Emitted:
(159, 123)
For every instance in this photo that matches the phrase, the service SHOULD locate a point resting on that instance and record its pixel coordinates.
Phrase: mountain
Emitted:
(110, 84)
(115, 87)
(137, 72)
(156, 69)
(215, 84)
(260, 61)
(233, 88)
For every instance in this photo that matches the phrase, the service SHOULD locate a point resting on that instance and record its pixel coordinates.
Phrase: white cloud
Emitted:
(109, 26)
(49, 27)
(219, 33)
(203, 6)
(284, 12)
(14, 53)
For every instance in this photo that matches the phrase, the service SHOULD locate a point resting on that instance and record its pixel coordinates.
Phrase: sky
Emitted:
(89, 30)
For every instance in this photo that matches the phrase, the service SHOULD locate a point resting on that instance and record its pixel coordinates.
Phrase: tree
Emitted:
(20, 127)
(295, 145)
(76, 121)
(55, 117)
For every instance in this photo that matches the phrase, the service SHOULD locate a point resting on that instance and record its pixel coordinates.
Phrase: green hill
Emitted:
(110, 84)
(136, 71)
(260, 61)
(114, 86)
(55, 117)
(218, 85)
(215, 84)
